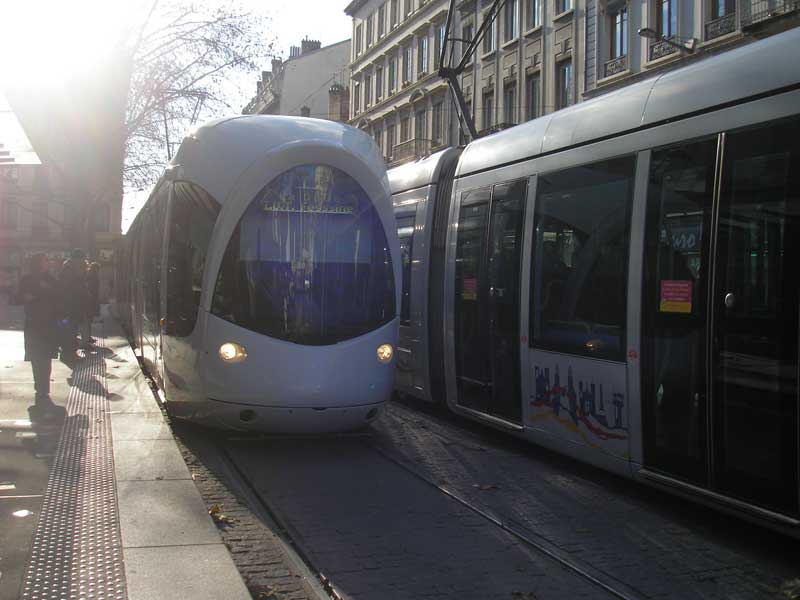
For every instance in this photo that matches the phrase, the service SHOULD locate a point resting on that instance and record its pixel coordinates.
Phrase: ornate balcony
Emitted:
(411, 149)
(758, 11)
(660, 49)
(615, 66)
(721, 26)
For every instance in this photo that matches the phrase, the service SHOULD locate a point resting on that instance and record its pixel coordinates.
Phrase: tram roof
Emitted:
(734, 75)
(420, 172)
(217, 153)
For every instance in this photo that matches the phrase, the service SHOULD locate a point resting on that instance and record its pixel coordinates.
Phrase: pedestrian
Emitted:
(73, 283)
(93, 283)
(39, 292)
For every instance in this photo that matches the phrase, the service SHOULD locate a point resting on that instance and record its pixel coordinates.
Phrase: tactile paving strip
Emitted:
(77, 549)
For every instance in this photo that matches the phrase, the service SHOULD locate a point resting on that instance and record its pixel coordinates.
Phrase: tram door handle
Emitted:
(730, 300)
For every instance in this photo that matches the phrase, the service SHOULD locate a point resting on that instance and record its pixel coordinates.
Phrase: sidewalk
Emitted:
(101, 503)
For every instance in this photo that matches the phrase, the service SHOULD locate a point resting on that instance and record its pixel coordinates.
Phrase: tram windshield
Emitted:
(308, 262)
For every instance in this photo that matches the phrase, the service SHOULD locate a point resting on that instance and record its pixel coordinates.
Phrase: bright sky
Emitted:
(46, 39)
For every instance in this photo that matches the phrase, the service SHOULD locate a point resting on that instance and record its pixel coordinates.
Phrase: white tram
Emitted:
(259, 282)
(618, 282)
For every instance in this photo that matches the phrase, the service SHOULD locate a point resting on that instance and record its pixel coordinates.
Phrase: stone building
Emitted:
(313, 82)
(525, 66)
(537, 56)
(37, 214)
(616, 54)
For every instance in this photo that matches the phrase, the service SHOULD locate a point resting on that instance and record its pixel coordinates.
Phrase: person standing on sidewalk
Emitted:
(76, 298)
(38, 291)
(93, 283)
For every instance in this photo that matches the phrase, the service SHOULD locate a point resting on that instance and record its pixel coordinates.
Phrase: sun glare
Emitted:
(52, 39)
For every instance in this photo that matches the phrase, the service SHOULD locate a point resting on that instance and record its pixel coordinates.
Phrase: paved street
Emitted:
(368, 515)
(26, 451)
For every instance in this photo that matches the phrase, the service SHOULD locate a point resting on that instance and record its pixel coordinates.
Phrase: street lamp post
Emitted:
(681, 43)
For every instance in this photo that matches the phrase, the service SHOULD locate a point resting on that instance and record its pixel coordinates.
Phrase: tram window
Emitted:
(405, 231)
(192, 217)
(309, 261)
(580, 260)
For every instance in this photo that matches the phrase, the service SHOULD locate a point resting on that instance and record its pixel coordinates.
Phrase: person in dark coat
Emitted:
(39, 292)
(76, 298)
(93, 283)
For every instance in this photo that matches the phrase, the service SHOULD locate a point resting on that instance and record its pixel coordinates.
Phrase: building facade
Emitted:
(38, 214)
(313, 82)
(524, 67)
(537, 56)
(617, 55)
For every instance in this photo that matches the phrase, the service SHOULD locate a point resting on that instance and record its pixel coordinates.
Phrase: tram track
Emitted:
(288, 530)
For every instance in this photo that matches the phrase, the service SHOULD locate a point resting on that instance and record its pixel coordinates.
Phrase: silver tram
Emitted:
(258, 283)
(617, 280)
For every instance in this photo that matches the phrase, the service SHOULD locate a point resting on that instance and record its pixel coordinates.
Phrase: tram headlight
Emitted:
(231, 352)
(385, 353)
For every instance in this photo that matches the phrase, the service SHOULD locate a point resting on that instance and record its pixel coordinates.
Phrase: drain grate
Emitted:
(77, 549)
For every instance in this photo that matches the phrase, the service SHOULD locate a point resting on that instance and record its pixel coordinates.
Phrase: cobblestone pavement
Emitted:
(662, 547)
(381, 533)
(266, 569)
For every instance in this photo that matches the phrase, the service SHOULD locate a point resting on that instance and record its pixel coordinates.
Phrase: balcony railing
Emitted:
(757, 11)
(413, 148)
(660, 49)
(615, 66)
(721, 26)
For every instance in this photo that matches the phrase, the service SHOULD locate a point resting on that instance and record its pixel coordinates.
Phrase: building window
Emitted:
(392, 75)
(404, 128)
(408, 7)
(377, 134)
(408, 57)
(378, 83)
(356, 97)
(393, 14)
(369, 30)
(563, 84)
(667, 17)
(422, 55)
(436, 123)
(367, 91)
(421, 125)
(390, 141)
(358, 39)
(438, 44)
(467, 33)
(563, 6)
(533, 13)
(721, 8)
(381, 21)
(534, 84)
(8, 215)
(463, 132)
(510, 28)
(488, 39)
(618, 25)
(510, 102)
(488, 109)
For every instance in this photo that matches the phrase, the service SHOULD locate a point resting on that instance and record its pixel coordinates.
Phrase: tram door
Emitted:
(720, 375)
(486, 307)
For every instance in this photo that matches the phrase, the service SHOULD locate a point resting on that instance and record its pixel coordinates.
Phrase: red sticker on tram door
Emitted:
(676, 296)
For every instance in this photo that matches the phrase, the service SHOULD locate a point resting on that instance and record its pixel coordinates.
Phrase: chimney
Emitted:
(276, 66)
(294, 51)
(310, 45)
(338, 103)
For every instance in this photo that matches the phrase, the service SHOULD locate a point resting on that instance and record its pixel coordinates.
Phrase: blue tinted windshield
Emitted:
(308, 261)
